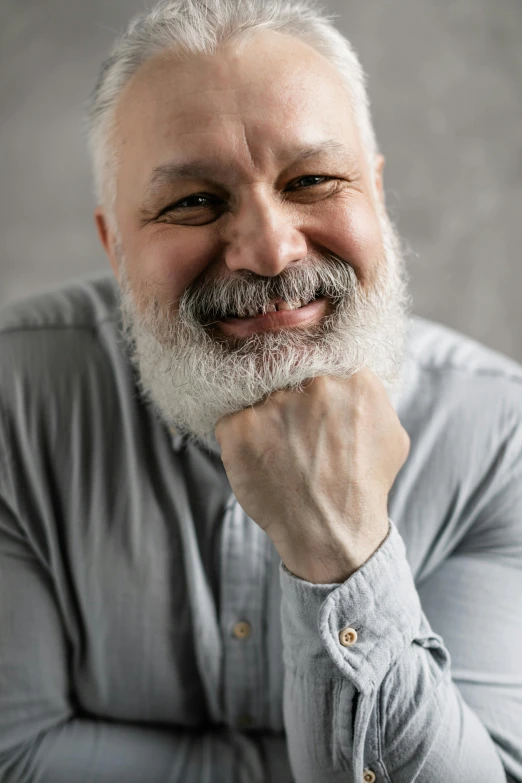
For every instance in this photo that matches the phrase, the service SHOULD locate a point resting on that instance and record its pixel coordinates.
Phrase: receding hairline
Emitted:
(201, 168)
(149, 36)
(171, 55)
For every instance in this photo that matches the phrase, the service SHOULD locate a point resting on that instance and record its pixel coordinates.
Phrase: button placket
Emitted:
(242, 584)
(242, 630)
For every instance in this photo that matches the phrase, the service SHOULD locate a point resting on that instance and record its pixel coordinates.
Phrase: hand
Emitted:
(314, 469)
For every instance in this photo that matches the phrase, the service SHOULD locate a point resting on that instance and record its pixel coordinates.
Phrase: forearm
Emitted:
(385, 702)
(81, 751)
(427, 731)
(415, 728)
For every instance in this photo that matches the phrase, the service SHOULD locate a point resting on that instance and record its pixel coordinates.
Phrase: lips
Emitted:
(278, 319)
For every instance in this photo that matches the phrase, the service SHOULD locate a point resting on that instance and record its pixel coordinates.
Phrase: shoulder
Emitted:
(82, 303)
(463, 410)
(61, 371)
(461, 404)
(54, 331)
(438, 348)
(450, 369)
(59, 348)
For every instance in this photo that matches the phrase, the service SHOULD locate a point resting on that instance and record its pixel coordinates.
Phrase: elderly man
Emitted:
(256, 521)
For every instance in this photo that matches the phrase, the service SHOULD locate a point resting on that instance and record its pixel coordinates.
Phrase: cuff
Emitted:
(379, 601)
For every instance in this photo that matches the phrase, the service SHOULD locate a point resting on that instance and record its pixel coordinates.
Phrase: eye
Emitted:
(191, 202)
(309, 181)
(192, 210)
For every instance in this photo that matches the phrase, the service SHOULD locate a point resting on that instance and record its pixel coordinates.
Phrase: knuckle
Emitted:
(359, 409)
(367, 377)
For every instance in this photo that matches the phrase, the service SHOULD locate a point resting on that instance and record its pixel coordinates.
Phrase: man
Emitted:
(257, 523)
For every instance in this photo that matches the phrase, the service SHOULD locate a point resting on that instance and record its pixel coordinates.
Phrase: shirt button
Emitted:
(242, 629)
(245, 721)
(368, 776)
(347, 637)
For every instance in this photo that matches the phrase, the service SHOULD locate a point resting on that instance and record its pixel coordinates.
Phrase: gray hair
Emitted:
(191, 27)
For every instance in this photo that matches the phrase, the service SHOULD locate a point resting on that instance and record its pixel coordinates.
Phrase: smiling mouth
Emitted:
(280, 315)
(278, 304)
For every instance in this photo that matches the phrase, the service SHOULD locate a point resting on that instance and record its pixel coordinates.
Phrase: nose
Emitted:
(263, 237)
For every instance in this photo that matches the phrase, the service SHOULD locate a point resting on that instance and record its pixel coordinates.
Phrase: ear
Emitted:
(107, 238)
(379, 166)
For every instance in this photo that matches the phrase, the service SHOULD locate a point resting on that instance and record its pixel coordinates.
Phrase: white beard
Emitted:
(194, 376)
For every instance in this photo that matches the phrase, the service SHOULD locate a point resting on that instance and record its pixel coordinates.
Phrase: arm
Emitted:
(388, 702)
(43, 739)
(314, 471)
(81, 751)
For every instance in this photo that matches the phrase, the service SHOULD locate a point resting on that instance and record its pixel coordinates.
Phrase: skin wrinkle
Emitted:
(170, 171)
(273, 237)
(247, 145)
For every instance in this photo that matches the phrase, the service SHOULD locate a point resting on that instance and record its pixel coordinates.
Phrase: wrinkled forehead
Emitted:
(238, 106)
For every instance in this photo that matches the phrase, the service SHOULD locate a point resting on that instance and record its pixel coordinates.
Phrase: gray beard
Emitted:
(193, 375)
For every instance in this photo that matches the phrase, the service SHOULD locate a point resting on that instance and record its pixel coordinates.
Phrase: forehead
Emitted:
(244, 107)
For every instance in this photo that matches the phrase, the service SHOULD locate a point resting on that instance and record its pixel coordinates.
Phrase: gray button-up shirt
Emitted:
(149, 632)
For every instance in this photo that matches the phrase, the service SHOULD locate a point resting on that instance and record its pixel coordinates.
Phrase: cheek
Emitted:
(170, 260)
(354, 234)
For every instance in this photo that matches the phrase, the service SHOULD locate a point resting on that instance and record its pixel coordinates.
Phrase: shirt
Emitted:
(149, 631)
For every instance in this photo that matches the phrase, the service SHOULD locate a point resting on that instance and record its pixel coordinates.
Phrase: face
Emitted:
(243, 190)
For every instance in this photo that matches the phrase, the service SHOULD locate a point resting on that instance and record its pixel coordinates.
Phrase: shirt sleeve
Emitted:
(369, 692)
(44, 739)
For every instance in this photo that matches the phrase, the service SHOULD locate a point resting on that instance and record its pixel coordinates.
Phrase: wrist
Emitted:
(335, 562)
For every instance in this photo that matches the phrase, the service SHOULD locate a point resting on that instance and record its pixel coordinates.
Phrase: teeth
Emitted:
(273, 307)
(288, 305)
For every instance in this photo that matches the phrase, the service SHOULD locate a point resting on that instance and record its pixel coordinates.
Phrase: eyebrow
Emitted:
(208, 168)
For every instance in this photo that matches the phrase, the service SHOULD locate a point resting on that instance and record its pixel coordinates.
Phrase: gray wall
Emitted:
(445, 79)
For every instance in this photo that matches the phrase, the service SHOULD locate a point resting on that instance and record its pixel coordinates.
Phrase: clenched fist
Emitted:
(314, 468)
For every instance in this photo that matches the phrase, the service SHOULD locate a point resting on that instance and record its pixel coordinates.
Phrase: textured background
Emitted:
(445, 79)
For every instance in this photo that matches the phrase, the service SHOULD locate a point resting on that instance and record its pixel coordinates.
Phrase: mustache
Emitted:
(212, 298)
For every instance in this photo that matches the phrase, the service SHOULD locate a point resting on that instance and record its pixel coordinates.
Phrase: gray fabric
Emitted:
(125, 562)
